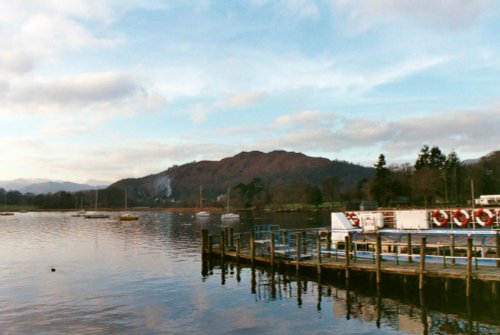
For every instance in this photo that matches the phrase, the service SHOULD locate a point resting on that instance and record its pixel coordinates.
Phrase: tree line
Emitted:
(434, 179)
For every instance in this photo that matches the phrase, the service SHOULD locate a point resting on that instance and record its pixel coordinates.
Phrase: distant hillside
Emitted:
(53, 187)
(42, 186)
(182, 182)
(18, 184)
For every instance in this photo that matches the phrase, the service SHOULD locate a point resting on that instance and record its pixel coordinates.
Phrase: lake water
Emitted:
(147, 277)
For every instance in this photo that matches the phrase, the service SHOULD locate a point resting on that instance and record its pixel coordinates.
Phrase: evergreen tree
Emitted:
(453, 176)
(381, 188)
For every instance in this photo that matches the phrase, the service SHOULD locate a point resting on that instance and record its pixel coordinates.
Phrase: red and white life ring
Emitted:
(440, 218)
(461, 217)
(484, 217)
(353, 218)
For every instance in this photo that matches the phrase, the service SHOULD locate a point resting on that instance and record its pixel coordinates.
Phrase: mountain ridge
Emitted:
(181, 182)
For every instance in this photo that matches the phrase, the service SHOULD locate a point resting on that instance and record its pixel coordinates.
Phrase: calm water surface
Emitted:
(145, 277)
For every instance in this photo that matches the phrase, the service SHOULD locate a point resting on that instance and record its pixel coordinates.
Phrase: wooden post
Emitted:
(297, 247)
(329, 244)
(475, 258)
(210, 244)
(231, 237)
(272, 248)
(469, 267)
(304, 243)
(378, 259)
(498, 250)
(410, 248)
(397, 252)
(222, 244)
(252, 248)
(452, 249)
(204, 240)
(347, 254)
(238, 248)
(318, 248)
(422, 264)
(226, 237)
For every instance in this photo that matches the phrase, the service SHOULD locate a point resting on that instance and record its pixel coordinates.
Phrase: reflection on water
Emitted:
(143, 277)
(398, 307)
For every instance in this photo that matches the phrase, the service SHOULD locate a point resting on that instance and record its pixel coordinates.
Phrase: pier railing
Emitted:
(458, 257)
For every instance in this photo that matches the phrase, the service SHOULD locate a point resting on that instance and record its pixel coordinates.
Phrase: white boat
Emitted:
(127, 216)
(95, 214)
(201, 213)
(229, 216)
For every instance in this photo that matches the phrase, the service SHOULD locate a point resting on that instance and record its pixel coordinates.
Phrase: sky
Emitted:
(112, 89)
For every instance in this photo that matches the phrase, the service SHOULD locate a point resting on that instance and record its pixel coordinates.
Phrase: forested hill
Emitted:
(277, 170)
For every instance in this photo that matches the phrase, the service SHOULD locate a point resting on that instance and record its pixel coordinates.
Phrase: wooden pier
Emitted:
(464, 258)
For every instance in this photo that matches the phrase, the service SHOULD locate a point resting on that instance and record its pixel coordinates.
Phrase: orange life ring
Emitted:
(440, 218)
(461, 217)
(488, 220)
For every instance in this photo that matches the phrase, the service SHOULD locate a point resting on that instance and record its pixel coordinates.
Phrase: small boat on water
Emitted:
(96, 215)
(229, 216)
(6, 214)
(127, 216)
(202, 214)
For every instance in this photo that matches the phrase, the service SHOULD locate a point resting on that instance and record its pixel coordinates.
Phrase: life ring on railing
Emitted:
(353, 218)
(461, 217)
(440, 218)
(484, 217)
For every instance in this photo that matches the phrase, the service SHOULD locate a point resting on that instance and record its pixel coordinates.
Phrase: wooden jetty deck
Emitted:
(471, 260)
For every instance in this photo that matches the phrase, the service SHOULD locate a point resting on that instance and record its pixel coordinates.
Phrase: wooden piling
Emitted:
(222, 244)
(422, 263)
(328, 244)
(378, 259)
(468, 277)
(452, 249)
(271, 249)
(210, 244)
(347, 254)
(304, 243)
(204, 240)
(297, 251)
(410, 248)
(238, 248)
(231, 237)
(252, 248)
(318, 250)
(498, 249)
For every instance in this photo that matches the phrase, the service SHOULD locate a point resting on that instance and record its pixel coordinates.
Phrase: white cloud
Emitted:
(199, 112)
(361, 15)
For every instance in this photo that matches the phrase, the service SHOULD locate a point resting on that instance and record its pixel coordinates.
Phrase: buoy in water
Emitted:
(53, 270)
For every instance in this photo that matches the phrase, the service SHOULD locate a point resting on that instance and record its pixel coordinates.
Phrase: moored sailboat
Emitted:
(127, 216)
(229, 216)
(96, 215)
(201, 213)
